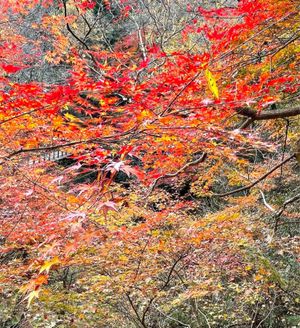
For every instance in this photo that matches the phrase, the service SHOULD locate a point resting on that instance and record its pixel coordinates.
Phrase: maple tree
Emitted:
(150, 179)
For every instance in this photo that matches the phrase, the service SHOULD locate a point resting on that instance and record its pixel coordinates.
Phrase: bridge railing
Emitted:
(53, 156)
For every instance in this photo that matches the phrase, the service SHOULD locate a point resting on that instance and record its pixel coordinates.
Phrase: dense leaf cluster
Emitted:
(149, 164)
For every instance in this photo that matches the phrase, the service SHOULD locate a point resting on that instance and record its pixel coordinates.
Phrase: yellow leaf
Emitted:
(123, 258)
(31, 296)
(48, 264)
(102, 103)
(103, 278)
(165, 138)
(248, 267)
(155, 233)
(150, 126)
(71, 117)
(258, 277)
(72, 199)
(145, 113)
(212, 83)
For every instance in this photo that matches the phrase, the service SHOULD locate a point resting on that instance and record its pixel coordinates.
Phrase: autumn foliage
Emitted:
(149, 163)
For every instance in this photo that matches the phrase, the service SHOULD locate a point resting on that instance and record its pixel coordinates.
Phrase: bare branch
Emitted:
(267, 115)
(281, 210)
(256, 181)
(265, 202)
(171, 175)
(135, 311)
(181, 257)
(103, 141)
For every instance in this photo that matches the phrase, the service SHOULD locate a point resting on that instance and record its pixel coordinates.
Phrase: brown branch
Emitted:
(103, 140)
(281, 210)
(291, 200)
(69, 28)
(273, 23)
(147, 309)
(287, 222)
(172, 269)
(171, 175)
(17, 116)
(50, 197)
(248, 122)
(167, 109)
(268, 114)
(82, 41)
(90, 28)
(135, 311)
(32, 150)
(140, 261)
(23, 114)
(256, 181)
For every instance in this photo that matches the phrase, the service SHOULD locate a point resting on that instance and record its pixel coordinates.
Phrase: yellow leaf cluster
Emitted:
(212, 84)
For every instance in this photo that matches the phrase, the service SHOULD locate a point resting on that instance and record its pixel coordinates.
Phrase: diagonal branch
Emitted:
(256, 181)
(281, 210)
(69, 28)
(172, 175)
(140, 320)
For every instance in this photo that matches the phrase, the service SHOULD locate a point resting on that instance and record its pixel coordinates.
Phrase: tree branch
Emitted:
(172, 269)
(256, 181)
(268, 114)
(281, 210)
(69, 28)
(171, 175)
(104, 140)
(135, 310)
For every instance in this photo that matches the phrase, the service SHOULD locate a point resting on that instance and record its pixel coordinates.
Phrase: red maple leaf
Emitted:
(11, 68)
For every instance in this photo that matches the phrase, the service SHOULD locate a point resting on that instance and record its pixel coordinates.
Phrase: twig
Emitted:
(171, 318)
(248, 122)
(281, 210)
(265, 202)
(181, 257)
(290, 222)
(171, 175)
(17, 116)
(256, 181)
(84, 44)
(51, 198)
(180, 93)
(104, 140)
(285, 141)
(205, 317)
(135, 310)
(147, 309)
(268, 314)
(69, 28)
(255, 315)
